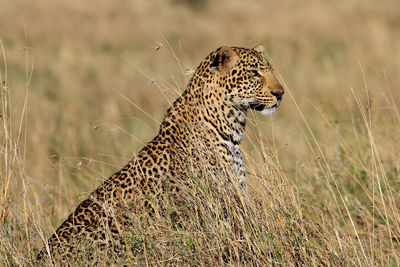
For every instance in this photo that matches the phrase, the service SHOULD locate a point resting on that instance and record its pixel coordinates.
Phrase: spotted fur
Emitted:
(203, 126)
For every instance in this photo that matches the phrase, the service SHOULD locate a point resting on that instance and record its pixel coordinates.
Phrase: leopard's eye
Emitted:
(254, 73)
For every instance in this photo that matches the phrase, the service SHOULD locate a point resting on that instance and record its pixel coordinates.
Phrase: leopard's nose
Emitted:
(278, 92)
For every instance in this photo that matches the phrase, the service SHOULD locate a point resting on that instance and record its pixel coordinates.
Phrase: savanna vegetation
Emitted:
(84, 85)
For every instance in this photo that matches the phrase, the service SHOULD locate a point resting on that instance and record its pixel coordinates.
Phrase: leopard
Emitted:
(204, 126)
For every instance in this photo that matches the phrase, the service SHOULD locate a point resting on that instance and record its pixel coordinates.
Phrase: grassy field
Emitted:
(85, 85)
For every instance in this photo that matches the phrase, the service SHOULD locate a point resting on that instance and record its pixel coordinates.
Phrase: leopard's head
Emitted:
(247, 78)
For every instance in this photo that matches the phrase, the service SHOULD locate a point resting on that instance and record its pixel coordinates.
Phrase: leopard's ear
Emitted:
(259, 48)
(225, 58)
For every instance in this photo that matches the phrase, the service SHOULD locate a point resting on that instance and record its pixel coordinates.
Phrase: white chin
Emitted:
(268, 111)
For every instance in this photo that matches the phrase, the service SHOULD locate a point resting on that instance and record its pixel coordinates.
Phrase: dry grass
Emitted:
(84, 88)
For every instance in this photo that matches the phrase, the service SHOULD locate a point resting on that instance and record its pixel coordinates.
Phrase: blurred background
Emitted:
(100, 74)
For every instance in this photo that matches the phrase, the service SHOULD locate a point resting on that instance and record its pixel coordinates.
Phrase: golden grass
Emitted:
(84, 88)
